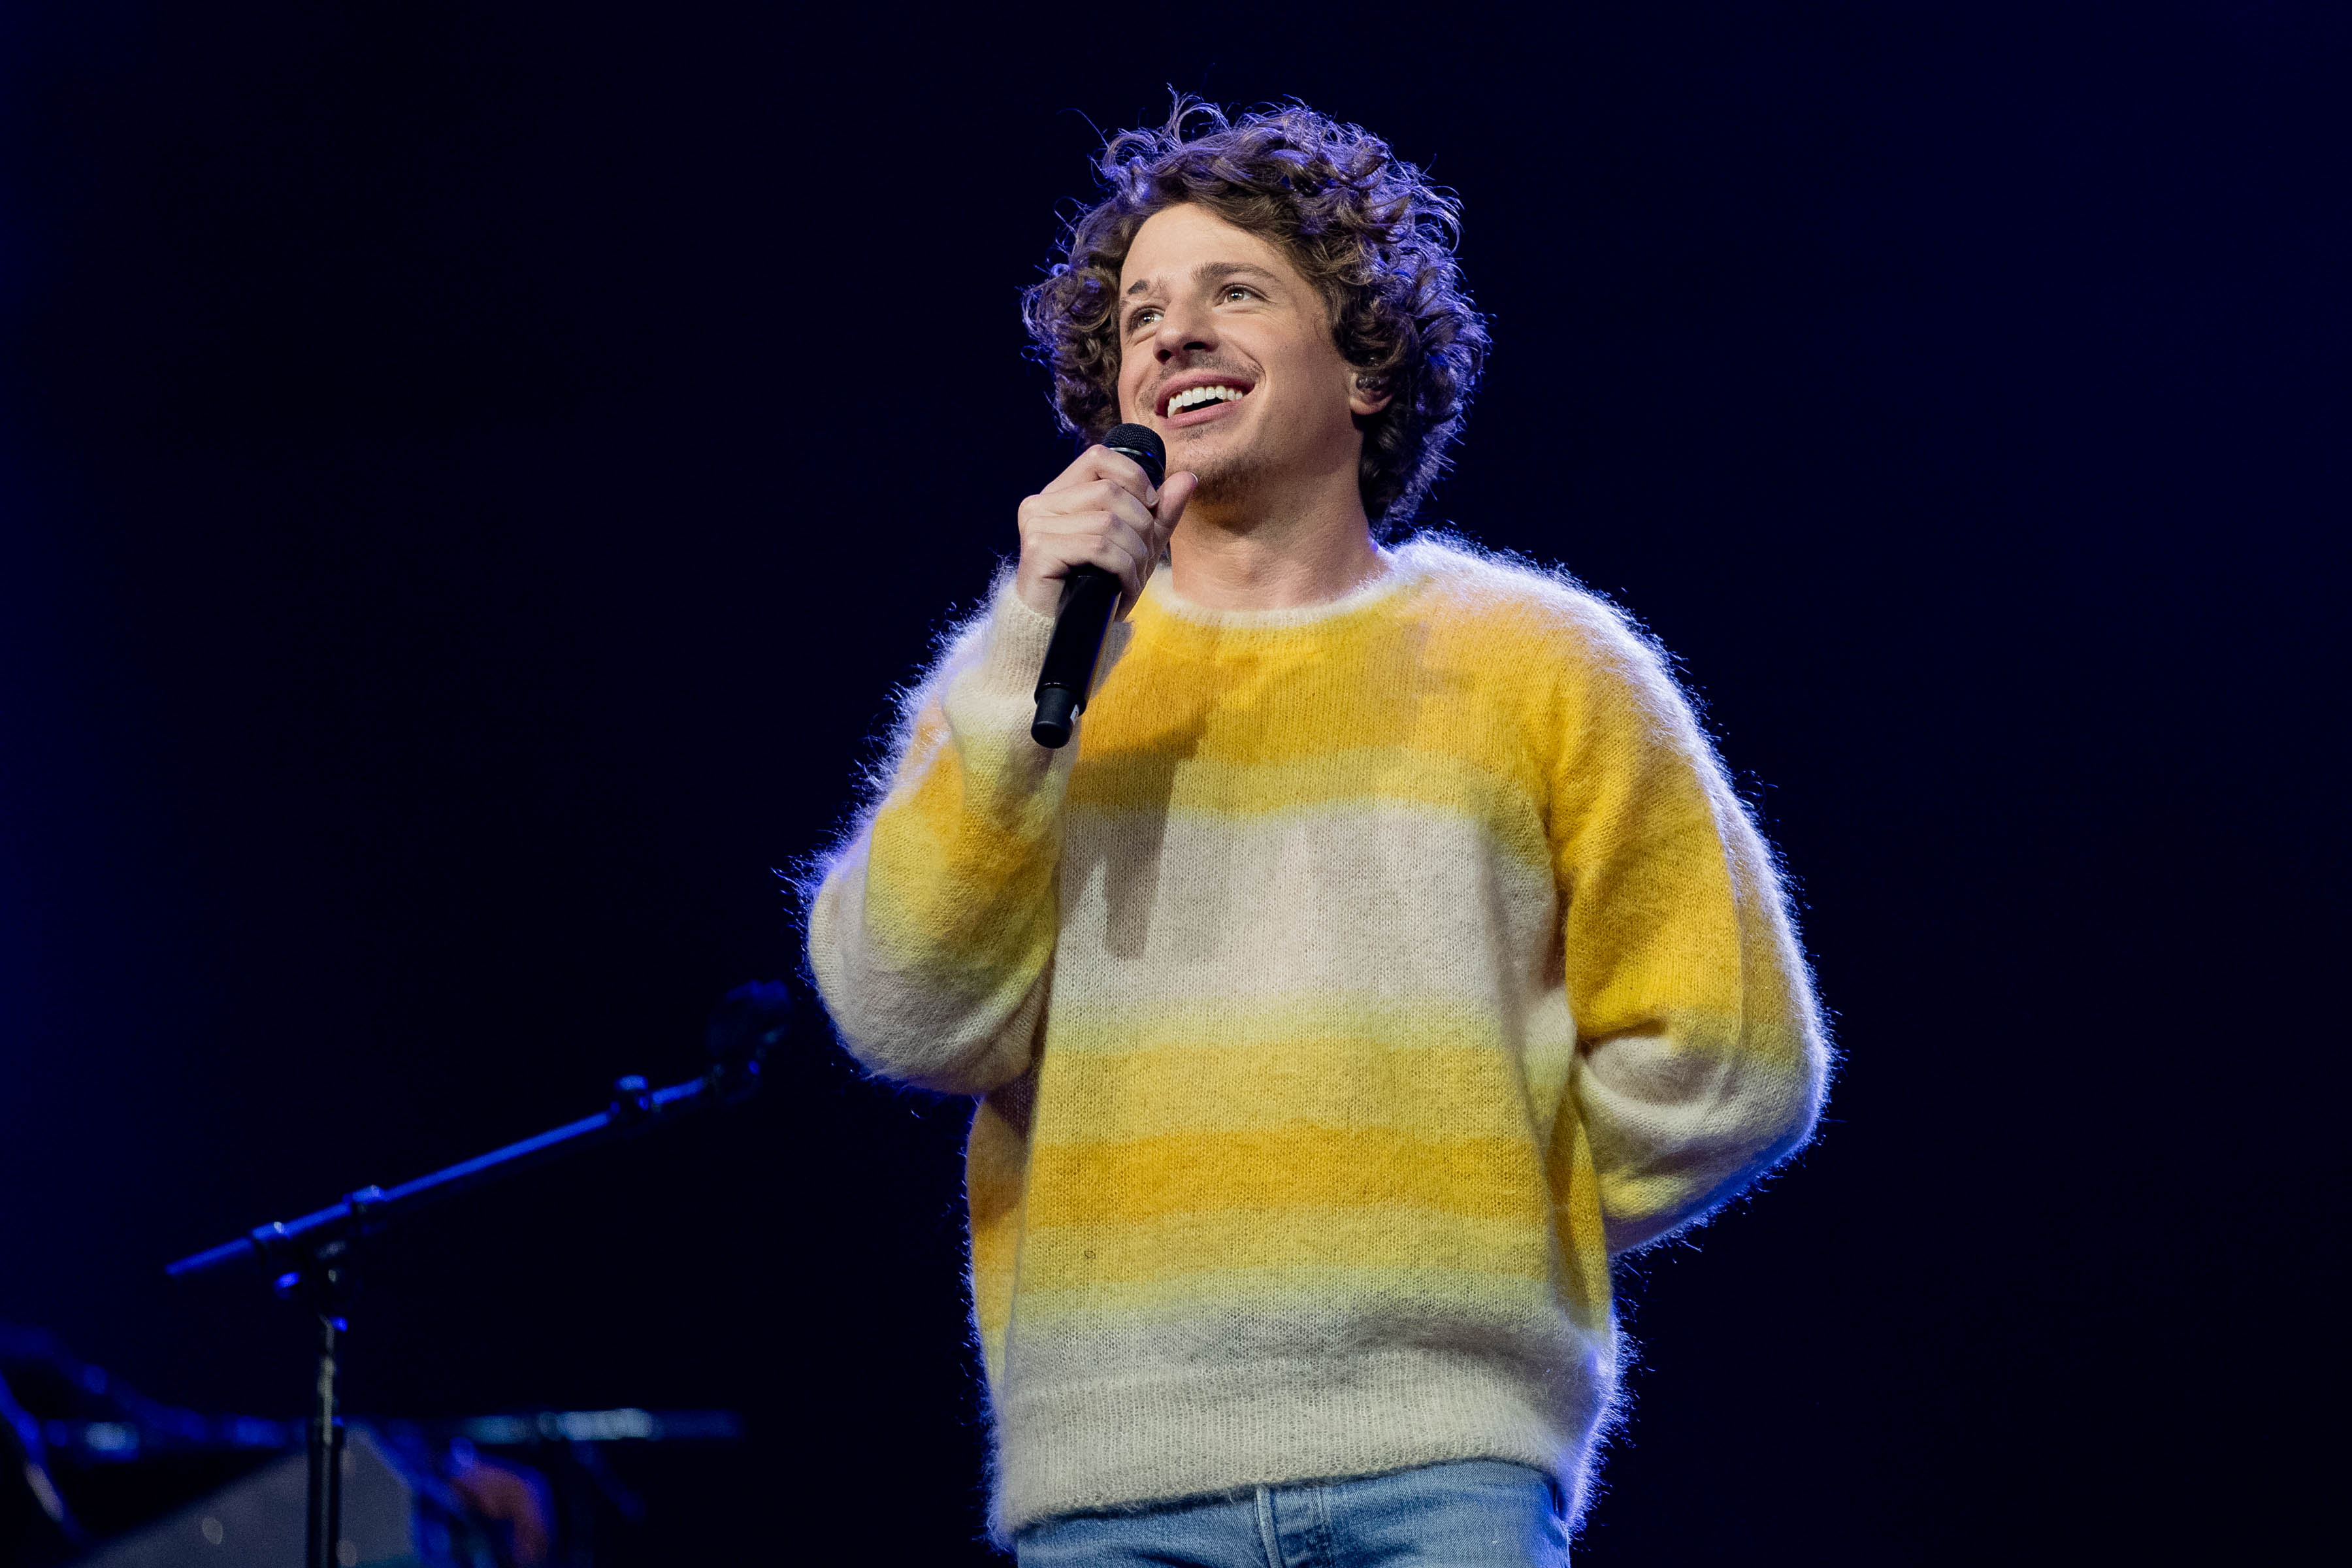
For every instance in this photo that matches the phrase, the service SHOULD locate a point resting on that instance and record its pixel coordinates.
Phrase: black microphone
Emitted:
(1089, 594)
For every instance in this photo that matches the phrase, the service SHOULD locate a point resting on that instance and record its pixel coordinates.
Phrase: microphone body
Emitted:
(1090, 595)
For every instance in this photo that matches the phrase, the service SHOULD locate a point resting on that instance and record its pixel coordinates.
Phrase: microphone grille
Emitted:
(1143, 443)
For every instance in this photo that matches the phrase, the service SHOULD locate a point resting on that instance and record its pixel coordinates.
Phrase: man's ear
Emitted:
(1367, 396)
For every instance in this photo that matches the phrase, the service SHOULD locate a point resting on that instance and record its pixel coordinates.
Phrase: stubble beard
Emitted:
(1229, 480)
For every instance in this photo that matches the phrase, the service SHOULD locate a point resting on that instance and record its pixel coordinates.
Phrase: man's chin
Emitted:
(1225, 486)
(1227, 473)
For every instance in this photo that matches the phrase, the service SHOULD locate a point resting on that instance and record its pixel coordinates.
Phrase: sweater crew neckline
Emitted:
(1161, 594)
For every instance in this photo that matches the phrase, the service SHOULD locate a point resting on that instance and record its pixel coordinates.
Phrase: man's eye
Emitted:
(1235, 291)
(1143, 318)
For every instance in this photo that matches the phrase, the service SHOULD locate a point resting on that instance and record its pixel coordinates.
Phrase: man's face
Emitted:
(1227, 353)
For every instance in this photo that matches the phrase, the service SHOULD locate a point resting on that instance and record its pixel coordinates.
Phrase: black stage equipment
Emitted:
(140, 1482)
(251, 1524)
(313, 1258)
(22, 1437)
(1089, 594)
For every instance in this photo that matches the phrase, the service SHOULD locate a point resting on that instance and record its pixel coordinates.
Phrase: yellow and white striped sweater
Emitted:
(1358, 981)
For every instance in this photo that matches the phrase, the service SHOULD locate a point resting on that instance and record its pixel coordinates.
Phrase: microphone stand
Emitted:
(311, 1260)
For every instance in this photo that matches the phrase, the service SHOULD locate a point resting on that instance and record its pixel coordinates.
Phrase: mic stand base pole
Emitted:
(324, 1538)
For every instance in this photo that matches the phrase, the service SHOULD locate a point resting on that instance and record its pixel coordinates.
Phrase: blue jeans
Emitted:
(1480, 1513)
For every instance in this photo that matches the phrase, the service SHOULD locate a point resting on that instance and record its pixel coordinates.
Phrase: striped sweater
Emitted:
(1356, 985)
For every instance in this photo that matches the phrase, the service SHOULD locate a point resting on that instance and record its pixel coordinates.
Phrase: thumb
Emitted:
(1172, 496)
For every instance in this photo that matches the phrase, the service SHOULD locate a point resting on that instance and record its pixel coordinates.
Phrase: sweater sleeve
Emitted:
(932, 931)
(1700, 1061)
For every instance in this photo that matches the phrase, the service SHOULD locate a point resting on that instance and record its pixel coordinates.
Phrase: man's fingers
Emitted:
(1134, 566)
(1096, 512)
(1134, 533)
(1125, 472)
(1100, 463)
(1120, 551)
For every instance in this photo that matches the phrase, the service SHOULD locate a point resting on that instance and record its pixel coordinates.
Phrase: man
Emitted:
(1384, 955)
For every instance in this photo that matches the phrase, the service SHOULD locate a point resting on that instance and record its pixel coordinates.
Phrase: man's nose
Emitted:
(1184, 330)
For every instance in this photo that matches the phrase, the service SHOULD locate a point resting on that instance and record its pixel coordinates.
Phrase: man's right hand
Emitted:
(1101, 512)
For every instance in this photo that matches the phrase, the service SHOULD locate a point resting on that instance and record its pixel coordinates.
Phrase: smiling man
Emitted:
(1385, 955)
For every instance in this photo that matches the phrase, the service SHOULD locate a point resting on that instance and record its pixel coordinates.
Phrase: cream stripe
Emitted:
(1156, 1311)
(1413, 902)
(1115, 1027)
(1069, 1446)
(1504, 1320)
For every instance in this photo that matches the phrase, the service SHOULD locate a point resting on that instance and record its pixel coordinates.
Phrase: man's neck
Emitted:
(1263, 564)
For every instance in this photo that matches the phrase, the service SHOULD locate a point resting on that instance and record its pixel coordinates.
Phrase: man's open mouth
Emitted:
(1202, 395)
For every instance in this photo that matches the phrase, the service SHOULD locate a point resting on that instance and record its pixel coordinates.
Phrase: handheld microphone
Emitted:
(1089, 594)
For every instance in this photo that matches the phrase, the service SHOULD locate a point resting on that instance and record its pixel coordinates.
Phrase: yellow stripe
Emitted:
(1384, 1240)
(1339, 1083)
(1144, 1180)
(1385, 680)
(942, 875)
(1581, 1235)
(993, 1158)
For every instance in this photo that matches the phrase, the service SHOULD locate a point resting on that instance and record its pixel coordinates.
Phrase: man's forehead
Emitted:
(1196, 245)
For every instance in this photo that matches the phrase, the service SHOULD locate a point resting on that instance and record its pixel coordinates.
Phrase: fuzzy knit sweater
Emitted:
(1358, 981)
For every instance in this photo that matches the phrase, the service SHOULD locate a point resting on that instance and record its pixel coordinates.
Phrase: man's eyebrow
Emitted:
(1210, 272)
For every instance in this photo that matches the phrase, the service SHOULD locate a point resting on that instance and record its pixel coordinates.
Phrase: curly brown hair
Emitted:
(1370, 232)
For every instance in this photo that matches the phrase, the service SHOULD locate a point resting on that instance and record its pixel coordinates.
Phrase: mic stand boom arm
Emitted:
(311, 1258)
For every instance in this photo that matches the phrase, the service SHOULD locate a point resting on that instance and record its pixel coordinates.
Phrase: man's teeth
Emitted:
(1200, 395)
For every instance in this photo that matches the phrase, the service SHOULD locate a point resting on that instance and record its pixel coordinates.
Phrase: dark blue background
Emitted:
(475, 473)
